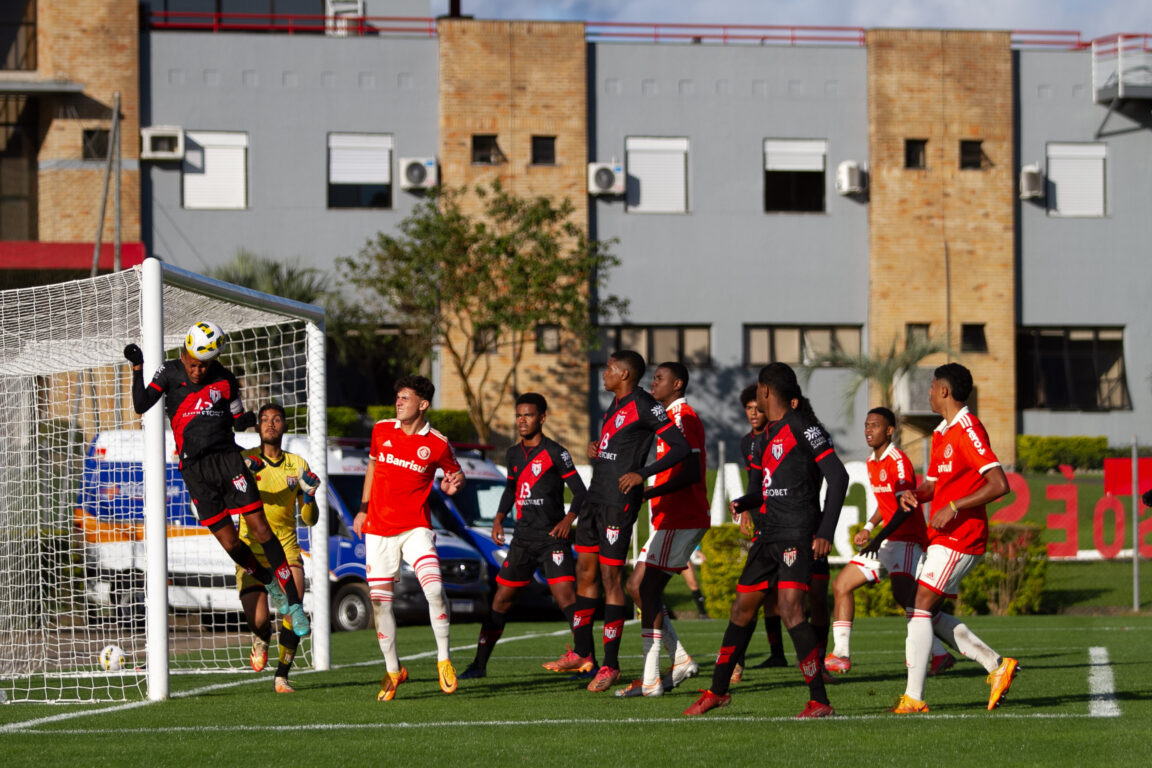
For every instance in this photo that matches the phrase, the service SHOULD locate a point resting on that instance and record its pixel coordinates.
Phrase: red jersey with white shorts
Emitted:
(402, 479)
(888, 476)
(687, 507)
(961, 454)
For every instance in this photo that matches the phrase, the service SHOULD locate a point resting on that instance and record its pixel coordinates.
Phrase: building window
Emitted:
(1072, 369)
(799, 345)
(18, 35)
(687, 344)
(18, 175)
(543, 150)
(485, 340)
(657, 175)
(915, 153)
(916, 334)
(972, 338)
(359, 170)
(95, 144)
(485, 150)
(1076, 179)
(215, 170)
(547, 339)
(972, 155)
(794, 174)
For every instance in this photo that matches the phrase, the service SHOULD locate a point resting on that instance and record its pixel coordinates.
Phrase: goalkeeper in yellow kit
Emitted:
(284, 480)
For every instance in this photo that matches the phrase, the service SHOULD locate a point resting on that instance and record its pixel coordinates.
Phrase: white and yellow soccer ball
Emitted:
(204, 340)
(112, 658)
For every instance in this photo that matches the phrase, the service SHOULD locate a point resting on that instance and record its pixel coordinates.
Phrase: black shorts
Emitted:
(783, 564)
(606, 530)
(221, 486)
(524, 556)
(821, 571)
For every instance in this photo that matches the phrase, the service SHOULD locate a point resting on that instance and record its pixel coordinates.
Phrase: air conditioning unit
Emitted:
(849, 178)
(910, 391)
(162, 142)
(606, 178)
(1031, 182)
(418, 173)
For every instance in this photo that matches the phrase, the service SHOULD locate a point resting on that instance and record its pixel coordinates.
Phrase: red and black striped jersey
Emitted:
(202, 415)
(535, 490)
(786, 453)
(629, 427)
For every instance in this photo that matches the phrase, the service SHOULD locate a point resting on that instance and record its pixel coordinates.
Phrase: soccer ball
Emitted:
(112, 658)
(204, 340)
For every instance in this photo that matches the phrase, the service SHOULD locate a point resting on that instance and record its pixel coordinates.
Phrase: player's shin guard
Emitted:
(386, 628)
(811, 660)
(919, 648)
(490, 632)
(739, 657)
(614, 616)
(841, 637)
(775, 639)
(289, 642)
(428, 573)
(651, 641)
(583, 610)
(732, 647)
(962, 639)
(280, 570)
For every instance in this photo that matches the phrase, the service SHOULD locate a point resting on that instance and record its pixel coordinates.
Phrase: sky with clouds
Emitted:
(1092, 18)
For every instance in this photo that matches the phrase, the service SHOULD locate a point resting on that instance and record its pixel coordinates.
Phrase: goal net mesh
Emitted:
(71, 489)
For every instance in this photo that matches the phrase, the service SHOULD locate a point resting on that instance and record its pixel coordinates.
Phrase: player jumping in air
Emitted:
(538, 470)
(897, 554)
(284, 480)
(604, 531)
(963, 476)
(795, 453)
(202, 400)
(395, 521)
(678, 501)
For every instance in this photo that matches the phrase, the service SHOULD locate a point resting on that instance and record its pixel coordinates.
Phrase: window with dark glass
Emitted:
(972, 338)
(18, 35)
(799, 345)
(1071, 369)
(95, 144)
(794, 175)
(971, 155)
(543, 150)
(485, 150)
(915, 153)
(18, 152)
(687, 344)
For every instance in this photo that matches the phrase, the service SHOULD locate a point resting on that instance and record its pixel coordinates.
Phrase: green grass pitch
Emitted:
(1063, 709)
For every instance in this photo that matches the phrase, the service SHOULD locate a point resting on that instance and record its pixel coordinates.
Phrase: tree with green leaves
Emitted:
(475, 284)
(260, 273)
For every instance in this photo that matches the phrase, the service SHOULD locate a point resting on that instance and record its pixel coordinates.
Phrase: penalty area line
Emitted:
(1101, 684)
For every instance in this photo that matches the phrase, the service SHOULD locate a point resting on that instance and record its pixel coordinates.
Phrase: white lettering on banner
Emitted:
(404, 463)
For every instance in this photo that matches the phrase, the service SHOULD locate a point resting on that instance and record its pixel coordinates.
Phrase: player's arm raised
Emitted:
(143, 397)
(309, 484)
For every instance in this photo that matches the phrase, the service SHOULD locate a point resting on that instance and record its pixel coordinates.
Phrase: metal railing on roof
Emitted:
(1048, 38)
(293, 24)
(748, 34)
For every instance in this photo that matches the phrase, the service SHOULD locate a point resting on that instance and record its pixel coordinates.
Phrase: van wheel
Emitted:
(351, 608)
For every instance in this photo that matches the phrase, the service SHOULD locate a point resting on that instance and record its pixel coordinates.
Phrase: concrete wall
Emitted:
(287, 93)
(727, 262)
(1088, 271)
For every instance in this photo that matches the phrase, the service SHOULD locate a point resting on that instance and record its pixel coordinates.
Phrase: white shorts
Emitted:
(383, 554)
(894, 557)
(942, 569)
(669, 550)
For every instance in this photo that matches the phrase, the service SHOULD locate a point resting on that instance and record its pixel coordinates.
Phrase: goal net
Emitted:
(80, 567)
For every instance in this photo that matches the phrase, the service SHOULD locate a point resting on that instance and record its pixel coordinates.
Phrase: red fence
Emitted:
(293, 24)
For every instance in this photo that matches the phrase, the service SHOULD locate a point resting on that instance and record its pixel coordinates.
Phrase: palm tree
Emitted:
(260, 273)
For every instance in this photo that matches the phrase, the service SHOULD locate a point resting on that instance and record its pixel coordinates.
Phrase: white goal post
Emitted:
(99, 544)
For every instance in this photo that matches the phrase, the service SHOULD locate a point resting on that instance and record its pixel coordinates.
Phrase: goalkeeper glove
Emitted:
(253, 462)
(244, 421)
(133, 354)
(309, 482)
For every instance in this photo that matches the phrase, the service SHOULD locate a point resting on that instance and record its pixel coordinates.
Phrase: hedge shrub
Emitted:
(1009, 580)
(725, 549)
(875, 599)
(455, 425)
(1042, 454)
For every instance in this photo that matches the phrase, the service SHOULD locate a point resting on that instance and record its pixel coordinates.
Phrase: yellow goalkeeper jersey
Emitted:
(279, 485)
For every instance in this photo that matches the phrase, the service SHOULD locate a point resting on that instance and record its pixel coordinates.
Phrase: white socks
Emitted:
(428, 573)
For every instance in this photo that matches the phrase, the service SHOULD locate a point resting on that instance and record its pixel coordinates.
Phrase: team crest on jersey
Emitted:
(423, 452)
(291, 480)
(537, 467)
(620, 419)
(777, 450)
(790, 556)
(947, 451)
(557, 557)
(241, 483)
(214, 394)
(612, 534)
(883, 475)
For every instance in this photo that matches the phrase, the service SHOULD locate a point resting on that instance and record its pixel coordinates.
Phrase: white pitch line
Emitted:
(29, 724)
(1101, 685)
(542, 723)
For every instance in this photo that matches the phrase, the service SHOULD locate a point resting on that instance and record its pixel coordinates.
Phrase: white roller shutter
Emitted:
(215, 170)
(658, 175)
(1076, 172)
(794, 154)
(359, 158)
